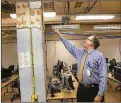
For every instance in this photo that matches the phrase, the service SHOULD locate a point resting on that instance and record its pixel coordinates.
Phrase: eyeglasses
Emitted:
(90, 40)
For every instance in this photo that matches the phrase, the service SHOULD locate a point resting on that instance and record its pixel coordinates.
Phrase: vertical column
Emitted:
(30, 41)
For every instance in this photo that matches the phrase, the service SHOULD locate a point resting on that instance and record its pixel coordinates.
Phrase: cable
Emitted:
(120, 48)
(53, 58)
(46, 59)
(47, 70)
(120, 39)
(55, 52)
(34, 97)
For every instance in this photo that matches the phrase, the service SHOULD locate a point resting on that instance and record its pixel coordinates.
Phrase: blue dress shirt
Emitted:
(95, 62)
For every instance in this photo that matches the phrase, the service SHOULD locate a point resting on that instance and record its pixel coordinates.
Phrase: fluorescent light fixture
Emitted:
(49, 14)
(107, 27)
(66, 27)
(13, 16)
(94, 17)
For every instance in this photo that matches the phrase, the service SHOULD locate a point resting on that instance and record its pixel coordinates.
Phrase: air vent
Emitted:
(78, 4)
(66, 27)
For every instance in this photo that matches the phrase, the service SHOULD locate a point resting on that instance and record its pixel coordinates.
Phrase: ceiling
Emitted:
(62, 8)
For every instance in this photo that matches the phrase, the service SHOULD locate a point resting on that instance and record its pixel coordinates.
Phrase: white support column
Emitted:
(29, 20)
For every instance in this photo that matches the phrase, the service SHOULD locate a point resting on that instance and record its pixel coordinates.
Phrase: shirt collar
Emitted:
(90, 51)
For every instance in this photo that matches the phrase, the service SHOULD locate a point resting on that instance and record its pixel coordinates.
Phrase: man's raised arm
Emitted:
(71, 48)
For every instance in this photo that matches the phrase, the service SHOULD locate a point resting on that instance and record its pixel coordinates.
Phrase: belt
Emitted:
(89, 85)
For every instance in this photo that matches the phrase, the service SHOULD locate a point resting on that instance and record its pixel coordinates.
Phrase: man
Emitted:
(92, 70)
(116, 68)
(112, 64)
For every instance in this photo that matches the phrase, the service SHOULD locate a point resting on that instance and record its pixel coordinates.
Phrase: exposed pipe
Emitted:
(88, 34)
(7, 35)
(65, 8)
(53, 6)
(80, 39)
(9, 29)
(100, 5)
(85, 9)
(68, 7)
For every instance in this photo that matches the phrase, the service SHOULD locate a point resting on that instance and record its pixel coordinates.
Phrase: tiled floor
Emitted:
(112, 95)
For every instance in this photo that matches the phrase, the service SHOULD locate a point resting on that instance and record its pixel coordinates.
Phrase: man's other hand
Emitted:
(98, 98)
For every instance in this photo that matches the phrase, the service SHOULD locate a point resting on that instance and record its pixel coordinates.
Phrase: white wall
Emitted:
(56, 50)
(110, 48)
(9, 55)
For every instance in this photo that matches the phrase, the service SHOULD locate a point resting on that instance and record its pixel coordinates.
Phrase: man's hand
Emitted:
(57, 32)
(98, 98)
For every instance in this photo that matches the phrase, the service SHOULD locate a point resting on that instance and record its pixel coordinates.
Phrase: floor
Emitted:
(112, 95)
(8, 96)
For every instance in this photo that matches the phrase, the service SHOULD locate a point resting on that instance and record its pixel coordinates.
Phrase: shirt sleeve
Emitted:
(102, 76)
(71, 48)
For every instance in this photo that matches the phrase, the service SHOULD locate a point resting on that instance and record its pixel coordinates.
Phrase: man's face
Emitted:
(88, 42)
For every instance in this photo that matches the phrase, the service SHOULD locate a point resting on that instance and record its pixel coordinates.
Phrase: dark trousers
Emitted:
(87, 94)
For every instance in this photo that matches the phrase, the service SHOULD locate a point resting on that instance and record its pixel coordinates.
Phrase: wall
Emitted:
(9, 55)
(110, 48)
(56, 50)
